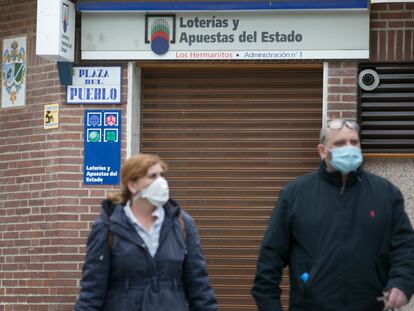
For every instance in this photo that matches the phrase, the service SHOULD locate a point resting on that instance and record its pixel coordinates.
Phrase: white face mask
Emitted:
(156, 193)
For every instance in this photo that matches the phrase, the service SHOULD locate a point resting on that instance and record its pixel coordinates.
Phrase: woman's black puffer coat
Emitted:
(121, 275)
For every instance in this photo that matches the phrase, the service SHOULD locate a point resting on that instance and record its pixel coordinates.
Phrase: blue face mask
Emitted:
(346, 159)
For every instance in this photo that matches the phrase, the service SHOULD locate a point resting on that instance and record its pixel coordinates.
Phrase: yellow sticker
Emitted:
(51, 116)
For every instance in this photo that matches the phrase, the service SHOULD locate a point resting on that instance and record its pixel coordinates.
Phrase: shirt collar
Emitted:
(158, 213)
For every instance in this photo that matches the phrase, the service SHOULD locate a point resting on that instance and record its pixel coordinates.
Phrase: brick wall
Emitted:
(45, 211)
(392, 32)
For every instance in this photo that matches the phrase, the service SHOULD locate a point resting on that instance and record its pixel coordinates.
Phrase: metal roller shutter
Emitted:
(232, 136)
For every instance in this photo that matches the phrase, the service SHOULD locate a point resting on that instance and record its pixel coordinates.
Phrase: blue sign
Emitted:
(84, 6)
(102, 144)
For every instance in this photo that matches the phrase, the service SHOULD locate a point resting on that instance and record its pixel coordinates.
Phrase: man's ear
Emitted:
(322, 151)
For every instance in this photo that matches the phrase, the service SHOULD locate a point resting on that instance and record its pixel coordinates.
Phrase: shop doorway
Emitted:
(233, 136)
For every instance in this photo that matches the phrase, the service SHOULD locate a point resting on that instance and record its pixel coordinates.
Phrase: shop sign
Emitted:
(102, 147)
(95, 85)
(226, 35)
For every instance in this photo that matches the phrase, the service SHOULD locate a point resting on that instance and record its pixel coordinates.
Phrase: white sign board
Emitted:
(226, 35)
(95, 85)
(55, 32)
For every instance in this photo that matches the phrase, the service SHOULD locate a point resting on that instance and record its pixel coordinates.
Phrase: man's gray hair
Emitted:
(324, 130)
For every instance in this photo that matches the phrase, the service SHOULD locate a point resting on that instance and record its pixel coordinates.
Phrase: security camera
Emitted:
(368, 80)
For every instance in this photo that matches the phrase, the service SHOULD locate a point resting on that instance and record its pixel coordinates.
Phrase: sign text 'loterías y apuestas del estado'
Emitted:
(312, 33)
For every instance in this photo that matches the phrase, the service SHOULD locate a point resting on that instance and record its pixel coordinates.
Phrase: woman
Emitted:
(143, 252)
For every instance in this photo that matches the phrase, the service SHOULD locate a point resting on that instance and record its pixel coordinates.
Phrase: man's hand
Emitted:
(394, 298)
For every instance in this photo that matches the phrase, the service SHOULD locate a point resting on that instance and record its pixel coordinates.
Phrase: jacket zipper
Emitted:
(154, 274)
(344, 184)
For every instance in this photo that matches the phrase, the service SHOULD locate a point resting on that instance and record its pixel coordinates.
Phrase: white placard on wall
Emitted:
(95, 85)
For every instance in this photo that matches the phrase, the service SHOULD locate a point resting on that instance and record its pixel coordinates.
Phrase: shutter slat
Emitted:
(388, 106)
(388, 96)
(388, 115)
(393, 134)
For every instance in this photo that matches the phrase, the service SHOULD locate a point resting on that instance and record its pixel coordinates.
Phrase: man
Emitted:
(343, 232)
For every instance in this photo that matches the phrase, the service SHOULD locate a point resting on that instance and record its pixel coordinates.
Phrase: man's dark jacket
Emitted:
(354, 241)
(121, 275)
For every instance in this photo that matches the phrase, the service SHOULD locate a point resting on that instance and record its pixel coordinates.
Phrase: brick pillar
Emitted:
(342, 90)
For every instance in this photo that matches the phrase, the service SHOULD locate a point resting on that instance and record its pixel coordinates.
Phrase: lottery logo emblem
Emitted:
(160, 36)
(94, 119)
(94, 136)
(65, 17)
(110, 136)
(160, 32)
(111, 120)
